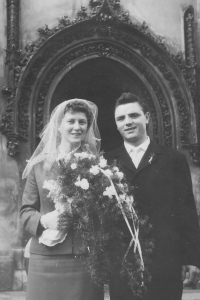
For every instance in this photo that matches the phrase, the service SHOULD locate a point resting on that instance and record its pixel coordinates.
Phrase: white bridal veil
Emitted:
(51, 138)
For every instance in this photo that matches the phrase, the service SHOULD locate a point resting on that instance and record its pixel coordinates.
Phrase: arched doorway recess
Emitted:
(97, 58)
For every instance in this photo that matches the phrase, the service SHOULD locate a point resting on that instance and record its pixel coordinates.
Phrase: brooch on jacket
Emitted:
(151, 157)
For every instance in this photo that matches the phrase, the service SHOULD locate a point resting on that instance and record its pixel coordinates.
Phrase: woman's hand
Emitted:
(193, 275)
(53, 220)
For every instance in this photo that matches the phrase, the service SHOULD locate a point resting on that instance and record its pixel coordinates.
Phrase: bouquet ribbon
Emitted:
(135, 234)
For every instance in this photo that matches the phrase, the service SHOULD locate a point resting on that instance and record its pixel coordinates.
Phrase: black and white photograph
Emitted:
(99, 149)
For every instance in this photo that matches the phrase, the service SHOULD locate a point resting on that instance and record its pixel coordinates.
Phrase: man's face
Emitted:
(131, 123)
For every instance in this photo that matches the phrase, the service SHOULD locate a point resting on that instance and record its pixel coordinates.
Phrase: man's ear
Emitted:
(147, 115)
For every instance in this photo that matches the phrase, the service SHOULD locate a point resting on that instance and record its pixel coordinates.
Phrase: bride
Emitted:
(56, 270)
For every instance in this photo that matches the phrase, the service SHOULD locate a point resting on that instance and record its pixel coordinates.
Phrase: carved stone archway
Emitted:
(105, 34)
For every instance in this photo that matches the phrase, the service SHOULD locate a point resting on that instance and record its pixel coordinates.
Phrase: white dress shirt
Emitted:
(136, 153)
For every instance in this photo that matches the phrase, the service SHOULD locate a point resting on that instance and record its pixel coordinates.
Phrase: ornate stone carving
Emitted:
(6, 90)
(190, 54)
(12, 24)
(104, 49)
(94, 3)
(194, 152)
(105, 10)
(8, 126)
(190, 59)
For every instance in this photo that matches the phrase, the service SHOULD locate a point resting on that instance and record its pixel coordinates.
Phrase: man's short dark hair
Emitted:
(126, 98)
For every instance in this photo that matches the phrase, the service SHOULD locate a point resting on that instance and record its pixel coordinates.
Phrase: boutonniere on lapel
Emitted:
(151, 158)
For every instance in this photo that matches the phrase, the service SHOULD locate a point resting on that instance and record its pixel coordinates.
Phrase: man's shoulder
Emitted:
(171, 152)
(165, 151)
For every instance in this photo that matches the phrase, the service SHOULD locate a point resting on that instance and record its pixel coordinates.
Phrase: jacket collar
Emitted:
(149, 157)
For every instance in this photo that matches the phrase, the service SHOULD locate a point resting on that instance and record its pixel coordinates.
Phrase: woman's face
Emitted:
(73, 127)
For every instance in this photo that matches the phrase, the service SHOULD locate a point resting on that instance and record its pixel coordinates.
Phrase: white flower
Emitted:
(73, 166)
(103, 162)
(91, 156)
(49, 185)
(81, 155)
(125, 187)
(94, 170)
(120, 175)
(108, 173)
(129, 200)
(84, 184)
(122, 197)
(54, 190)
(63, 155)
(115, 169)
(64, 207)
(121, 186)
(60, 207)
(70, 200)
(78, 182)
(110, 191)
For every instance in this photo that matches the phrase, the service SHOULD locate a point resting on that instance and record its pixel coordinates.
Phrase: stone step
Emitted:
(190, 295)
(12, 295)
(187, 295)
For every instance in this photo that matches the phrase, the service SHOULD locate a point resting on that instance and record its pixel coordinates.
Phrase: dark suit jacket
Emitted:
(163, 192)
(35, 203)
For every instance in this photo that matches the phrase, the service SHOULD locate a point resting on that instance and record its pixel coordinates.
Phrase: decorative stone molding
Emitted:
(7, 126)
(190, 55)
(104, 31)
(194, 152)
(102, 49)
(191, 60)
(12, 24)
(147, 52)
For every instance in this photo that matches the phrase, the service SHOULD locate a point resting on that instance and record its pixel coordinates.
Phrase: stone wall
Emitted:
(37, 13)
(163, 17)
(9, 173)
(2, 52)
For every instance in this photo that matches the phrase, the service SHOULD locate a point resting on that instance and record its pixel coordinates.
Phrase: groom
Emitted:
(162, 191)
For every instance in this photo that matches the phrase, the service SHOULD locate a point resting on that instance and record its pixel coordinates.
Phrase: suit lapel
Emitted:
(149, 157)
(125, 158)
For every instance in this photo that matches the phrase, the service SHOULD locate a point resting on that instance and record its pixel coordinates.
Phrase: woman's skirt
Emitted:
(61, 277)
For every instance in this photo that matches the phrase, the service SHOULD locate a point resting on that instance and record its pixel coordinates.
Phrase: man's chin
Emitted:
(131, 138)
(134, 140)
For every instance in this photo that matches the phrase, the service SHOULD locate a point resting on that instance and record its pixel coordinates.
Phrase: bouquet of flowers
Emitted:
(97, 202)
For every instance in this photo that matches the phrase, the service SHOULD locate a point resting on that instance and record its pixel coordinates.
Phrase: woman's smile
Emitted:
(73, 128)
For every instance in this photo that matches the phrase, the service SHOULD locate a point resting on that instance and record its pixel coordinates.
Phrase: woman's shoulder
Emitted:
(39, 167)
(38, 171)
